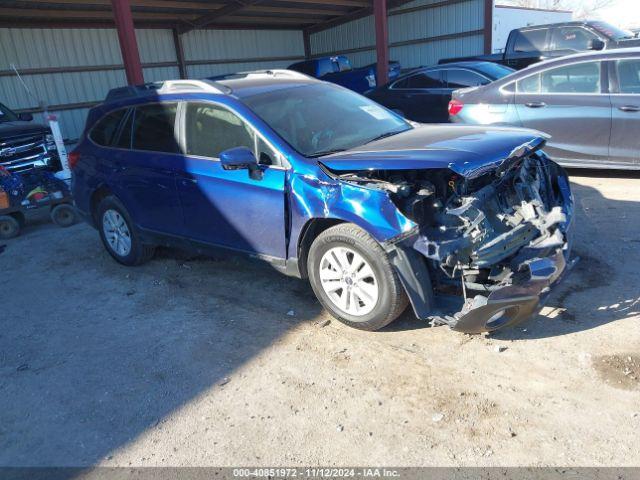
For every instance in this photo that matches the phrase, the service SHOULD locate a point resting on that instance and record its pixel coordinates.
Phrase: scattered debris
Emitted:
(224, 381)
(23, 367)
(291, 313)
(340, 428)
(323, 323)
(500, 348)
(437, 417)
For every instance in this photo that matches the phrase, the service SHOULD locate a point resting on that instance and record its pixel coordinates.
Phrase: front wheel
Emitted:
(352, 277)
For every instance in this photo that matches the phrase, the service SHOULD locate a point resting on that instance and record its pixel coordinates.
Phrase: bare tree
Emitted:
(581, 8)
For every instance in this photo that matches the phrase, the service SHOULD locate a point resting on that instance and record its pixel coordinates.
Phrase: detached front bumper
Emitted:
(514, 303)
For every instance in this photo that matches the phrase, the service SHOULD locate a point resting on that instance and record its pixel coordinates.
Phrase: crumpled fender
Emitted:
(370, 209)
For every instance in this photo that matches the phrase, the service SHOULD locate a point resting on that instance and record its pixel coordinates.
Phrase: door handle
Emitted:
(535, 104)
(629, 108)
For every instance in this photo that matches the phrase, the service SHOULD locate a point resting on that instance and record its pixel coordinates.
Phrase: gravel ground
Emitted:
(224, 362)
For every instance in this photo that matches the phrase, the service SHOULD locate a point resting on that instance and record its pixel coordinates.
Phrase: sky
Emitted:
(622, 13)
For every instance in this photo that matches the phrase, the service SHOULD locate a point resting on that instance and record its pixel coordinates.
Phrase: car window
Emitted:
(321, 117)
(105, 130)
(531, 41)
(628, 75)
(211, 129)
(578, 78)
(431, 79)
(124, 138)
(573, 38)
(529, 84)
(153, 128)
(457, 78)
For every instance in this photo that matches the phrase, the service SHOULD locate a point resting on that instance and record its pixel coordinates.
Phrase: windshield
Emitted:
(322, 118)
(7, 115)
(494, 71)
(611, 31)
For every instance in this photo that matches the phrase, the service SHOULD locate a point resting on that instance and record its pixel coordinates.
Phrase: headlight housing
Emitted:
(50, 141)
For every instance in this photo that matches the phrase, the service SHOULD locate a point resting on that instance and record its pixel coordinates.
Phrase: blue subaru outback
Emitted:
(469, 225)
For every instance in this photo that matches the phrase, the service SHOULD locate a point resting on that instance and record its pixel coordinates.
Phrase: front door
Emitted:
(625, 114)
(568, 103)
(229, 208)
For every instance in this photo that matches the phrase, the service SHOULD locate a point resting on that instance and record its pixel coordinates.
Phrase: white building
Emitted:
(507, 17)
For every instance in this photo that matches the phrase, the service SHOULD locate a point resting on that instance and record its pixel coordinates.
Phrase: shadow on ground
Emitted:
(93, 354)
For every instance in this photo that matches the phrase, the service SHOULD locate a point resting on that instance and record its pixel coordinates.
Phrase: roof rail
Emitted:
(181, 86)
(167, 86)
(280, 72)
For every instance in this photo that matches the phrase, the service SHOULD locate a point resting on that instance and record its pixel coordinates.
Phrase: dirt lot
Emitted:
(223, 361)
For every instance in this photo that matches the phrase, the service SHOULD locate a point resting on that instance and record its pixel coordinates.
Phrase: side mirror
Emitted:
(595, 44)
(25, 117)
(241, 158)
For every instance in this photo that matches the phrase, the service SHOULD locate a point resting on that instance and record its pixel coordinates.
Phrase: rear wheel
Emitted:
(9, 227)
(118, 234)
(353, 278)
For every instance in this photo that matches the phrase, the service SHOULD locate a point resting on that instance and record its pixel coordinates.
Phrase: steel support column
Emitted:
(127, 40)
(382, 40)
(488, 26)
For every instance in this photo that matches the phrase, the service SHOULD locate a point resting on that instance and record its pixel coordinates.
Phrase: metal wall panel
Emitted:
(238, 44)
(460, 17)
(204, 71)
(30, 48)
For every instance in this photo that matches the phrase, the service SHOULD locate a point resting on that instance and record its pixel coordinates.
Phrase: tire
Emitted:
(9, 227)
(341, 245)
(110, 214)
(64, 215)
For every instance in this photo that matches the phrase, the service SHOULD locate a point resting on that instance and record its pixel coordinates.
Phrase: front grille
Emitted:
(23, 153)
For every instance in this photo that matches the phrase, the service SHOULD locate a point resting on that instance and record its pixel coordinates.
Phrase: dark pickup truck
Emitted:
(529, 45)
(25, 145)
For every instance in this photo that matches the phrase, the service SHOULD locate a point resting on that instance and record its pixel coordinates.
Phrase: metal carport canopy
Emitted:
(182, 16)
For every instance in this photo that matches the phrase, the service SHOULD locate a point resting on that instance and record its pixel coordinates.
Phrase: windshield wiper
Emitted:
(385, 135)
(326, 152)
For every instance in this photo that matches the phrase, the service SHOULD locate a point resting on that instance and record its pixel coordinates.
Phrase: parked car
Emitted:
(589, 103)
(25, 145)
(338, 70)
(423, 94)
(529, 45)
(325, 184)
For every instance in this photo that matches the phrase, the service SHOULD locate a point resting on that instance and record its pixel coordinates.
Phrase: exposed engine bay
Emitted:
(483, 238)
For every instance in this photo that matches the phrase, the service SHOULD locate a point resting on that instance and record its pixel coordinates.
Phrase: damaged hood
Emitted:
(469, 151)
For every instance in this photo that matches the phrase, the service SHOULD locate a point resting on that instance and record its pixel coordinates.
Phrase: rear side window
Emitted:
(573, 38)
(211, 130)
(629, 76)
(578, 78)
(431, 79)
(531, 41)
(153, 128)
(457, 78)
(104, 132)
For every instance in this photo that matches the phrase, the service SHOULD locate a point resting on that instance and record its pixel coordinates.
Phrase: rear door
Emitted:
(421, 97)
(227, 207)
(569, 103)
(625, 115)
(143, 166)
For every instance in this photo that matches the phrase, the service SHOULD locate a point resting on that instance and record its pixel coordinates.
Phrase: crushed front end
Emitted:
(488, 244)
